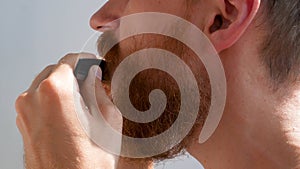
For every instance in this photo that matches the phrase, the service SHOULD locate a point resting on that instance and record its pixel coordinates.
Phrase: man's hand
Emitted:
(47, 119)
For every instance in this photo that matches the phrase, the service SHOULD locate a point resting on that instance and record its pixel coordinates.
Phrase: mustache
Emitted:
(106, 42)
(108, 50)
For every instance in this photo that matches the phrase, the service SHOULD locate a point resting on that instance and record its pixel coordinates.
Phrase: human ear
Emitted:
(230, 21)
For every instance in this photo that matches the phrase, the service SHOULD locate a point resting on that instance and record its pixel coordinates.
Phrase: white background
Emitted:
(33, 34)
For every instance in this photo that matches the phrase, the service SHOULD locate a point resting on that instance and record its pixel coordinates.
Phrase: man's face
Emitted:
(235, 29)
(148, 80)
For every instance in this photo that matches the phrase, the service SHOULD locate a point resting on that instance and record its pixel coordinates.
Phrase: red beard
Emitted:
(151, 79)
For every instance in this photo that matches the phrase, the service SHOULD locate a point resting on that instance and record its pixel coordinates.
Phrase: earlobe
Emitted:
(234, 18)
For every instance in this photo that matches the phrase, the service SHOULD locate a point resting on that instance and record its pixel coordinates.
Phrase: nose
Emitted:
(103, 19)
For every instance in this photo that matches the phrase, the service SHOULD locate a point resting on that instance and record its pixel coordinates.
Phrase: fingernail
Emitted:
(98, 72)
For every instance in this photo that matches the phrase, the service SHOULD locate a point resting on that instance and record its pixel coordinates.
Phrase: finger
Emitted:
(61, 74)
(23, 108)
(42, 76)
(61, 81)
(101, 112)
(94, 95)
(72, 59)
(22, 127)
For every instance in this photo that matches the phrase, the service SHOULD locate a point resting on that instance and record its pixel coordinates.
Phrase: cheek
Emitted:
(174, 7)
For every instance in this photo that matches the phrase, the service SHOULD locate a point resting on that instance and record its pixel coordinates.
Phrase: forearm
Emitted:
(83, 156)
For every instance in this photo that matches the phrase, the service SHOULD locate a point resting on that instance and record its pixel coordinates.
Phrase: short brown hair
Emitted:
(281, 49)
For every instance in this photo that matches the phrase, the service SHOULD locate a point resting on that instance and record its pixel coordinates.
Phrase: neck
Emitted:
(259, 128)
(239, 146)
(125, 163)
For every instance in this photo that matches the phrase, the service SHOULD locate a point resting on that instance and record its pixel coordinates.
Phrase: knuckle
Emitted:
(22, 117)
(49, 67)
(23, 124)
(68, 57)
(53, 89)
(22, 101)
(49, 87)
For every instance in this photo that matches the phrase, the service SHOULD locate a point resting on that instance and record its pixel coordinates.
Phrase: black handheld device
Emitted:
(83, 66)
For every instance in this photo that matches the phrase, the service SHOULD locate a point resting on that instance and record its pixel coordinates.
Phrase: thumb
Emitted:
(103, 121)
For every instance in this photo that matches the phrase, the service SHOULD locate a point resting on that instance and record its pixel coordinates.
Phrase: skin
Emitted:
(259, 128)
